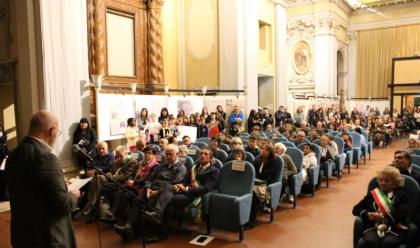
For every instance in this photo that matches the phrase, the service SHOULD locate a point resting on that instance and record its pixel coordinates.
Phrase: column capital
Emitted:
(155, 4)
(327, 25)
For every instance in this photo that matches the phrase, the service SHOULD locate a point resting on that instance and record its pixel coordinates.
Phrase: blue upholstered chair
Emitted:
(288, 144)
(279, 139)
(356, 147)
(248, 157)
(412, 189)
(221, 155)
(230, 205)
(275, 188)
(415, 167)
(297, 179)
(326, 170)
(200, 144)
(334, 133)
(218, 163)
(138, 155)
(369, 143)
(203, 140)
(194, 153)
(225, 147)
(341, 157)
(313, 172)
(415, 159)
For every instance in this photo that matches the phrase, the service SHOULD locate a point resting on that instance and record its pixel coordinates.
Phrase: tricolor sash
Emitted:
(385, 205)
(195, 183)
(382, 200)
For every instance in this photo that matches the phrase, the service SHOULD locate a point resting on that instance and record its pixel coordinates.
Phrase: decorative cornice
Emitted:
(384, 3)
(301, 26)
(385, 24)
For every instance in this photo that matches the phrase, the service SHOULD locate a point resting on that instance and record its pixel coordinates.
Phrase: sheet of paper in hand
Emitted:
(76, 183)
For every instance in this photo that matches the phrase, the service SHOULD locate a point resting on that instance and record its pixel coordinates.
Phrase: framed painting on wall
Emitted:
(302, 57)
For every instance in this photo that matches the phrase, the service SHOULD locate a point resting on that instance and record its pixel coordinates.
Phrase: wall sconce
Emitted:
(97, 81)
(133, 87)
(204, 90)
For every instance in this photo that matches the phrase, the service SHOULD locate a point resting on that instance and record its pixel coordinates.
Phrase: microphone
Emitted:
(82, 152)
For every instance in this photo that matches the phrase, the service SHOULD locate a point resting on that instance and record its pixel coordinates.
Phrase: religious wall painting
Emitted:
(302, 57)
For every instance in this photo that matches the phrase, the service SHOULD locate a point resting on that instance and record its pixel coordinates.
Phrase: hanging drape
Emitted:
(375, 50)
(65, 64)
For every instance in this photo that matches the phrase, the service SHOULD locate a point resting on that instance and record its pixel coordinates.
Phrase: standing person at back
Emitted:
(39, 200)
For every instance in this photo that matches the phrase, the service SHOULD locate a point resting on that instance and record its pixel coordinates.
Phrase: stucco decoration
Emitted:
(201, 28)
(302, 57)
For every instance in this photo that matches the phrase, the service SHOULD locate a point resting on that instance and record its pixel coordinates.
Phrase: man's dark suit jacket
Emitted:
(39, 201)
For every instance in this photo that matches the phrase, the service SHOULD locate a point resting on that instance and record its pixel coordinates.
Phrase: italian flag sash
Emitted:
(382, 201)
(385, 205)
(195, 183)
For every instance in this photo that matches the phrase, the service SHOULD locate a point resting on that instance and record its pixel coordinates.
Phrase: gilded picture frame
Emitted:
(302, 57)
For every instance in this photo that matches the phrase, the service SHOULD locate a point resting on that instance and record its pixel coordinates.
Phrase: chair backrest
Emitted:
(194, 153)
(221, 155)
(413, 151)
(262, 134)
(288, 144)
(217, 163)
(155, 147)
(334, 133)
(200, 144)
(415, 159)
(410, 187)
(244, 134)
(365, 134)
(297, 156)
(317, 150)
(249, 157)
(355, 139)
(187, 161)
(203, 140)
(317, 141)
(340, 144)
(415, 167)
(225, 147)
(279, 139)
(236, 182)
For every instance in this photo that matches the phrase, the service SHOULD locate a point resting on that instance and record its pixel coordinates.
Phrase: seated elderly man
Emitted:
(102, 161)
(160, 184)
(124, 169)
(202, 179)
(402, 161)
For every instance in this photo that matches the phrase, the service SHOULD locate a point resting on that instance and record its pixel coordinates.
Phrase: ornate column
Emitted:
(154, 44)
(351, 69)
(99, 37)
(281, 53)
(326, 53)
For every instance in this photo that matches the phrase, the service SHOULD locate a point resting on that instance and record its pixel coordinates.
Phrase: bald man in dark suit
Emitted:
(39, 200)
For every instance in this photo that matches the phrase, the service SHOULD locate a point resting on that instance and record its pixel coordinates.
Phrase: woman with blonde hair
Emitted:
(385, 210)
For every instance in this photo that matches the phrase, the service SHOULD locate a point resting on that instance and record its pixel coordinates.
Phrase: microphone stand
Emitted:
(137, 199)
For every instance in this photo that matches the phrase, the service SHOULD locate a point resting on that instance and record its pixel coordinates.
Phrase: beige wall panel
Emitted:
(170, 39)
(120, 45)
(202, 46)
(407, 71)
(266, 52)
